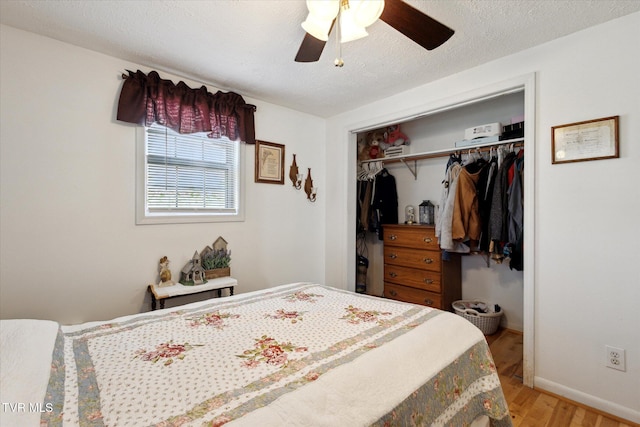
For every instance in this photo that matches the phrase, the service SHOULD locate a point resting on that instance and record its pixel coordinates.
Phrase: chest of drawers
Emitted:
(414, 270)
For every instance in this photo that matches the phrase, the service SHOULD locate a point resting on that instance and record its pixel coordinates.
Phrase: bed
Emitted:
(300, 354)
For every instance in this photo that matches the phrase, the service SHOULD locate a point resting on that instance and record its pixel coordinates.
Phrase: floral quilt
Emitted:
(216, 362)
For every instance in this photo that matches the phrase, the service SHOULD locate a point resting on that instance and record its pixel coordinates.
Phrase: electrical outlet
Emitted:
(615, 358)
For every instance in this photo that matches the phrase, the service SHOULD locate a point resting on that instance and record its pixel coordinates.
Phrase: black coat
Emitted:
(385, 201)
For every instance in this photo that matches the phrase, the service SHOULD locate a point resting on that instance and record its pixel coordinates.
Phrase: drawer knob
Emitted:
(393, 274)
(428, 301)
(393, 293)
(428, 240)
(393, 237)
(393, 256)
(428, 281)
(428, 260)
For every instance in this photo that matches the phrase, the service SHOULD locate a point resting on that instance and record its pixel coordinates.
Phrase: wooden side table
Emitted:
(177, 290)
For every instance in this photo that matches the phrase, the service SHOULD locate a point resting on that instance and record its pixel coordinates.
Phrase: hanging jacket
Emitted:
(498, 230)
(466, 217)
(364, 204)
(444, 193)
(385, 200)
(515, 204)
(447, 201)
(485, 196)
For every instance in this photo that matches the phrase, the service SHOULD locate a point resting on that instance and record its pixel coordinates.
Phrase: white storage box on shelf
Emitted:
(395, 151)
(487, 321)
(490, 129)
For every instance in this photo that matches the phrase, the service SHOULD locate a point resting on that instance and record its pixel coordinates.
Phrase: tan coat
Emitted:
(466, 218)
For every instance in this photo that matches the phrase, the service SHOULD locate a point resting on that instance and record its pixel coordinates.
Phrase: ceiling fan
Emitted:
(355, 15)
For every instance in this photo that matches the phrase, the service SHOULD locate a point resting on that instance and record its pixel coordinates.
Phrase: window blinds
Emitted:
(190, 173)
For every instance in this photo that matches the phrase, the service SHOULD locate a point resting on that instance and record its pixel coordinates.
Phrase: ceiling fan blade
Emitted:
(411, 22)
(310, 49)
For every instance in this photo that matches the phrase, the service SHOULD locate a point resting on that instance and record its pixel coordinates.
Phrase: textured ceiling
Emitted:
(248, 46)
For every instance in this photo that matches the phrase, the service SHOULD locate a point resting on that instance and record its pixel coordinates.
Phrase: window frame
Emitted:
(145, 217)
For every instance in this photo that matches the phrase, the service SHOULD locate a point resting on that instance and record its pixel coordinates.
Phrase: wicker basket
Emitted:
(487, 322)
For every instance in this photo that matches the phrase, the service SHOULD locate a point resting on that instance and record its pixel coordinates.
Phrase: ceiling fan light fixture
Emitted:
(398, 14)
(320, 17)
(317, 28)
(349, 29)
(366, 12)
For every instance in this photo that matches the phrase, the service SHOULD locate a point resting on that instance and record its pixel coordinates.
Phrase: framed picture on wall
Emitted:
(589, 140)
(269, 162)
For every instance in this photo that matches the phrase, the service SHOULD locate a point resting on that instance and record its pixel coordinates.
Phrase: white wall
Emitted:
(70, 250)
(587, 282)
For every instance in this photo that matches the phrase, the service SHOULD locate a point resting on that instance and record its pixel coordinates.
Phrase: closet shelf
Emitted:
(441, 153)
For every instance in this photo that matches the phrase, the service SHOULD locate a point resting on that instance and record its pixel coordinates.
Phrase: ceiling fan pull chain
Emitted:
(338, 62)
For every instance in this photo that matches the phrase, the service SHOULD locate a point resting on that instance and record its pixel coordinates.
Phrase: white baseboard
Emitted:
(587, 399)
(513, 326)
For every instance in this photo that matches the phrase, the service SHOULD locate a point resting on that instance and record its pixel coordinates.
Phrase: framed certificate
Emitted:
(269, 162)
(589, 140)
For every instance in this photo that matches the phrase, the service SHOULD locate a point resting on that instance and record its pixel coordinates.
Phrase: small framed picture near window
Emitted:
(589, 140)
(269, 162)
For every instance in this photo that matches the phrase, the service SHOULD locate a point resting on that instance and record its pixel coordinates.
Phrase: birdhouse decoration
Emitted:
(216, 259)
(426, 212)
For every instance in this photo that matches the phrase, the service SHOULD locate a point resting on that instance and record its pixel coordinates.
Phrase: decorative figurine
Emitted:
(165, 273)
(409, 215)
(193, 273)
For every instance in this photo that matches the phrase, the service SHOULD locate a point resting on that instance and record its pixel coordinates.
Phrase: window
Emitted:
(187, 177)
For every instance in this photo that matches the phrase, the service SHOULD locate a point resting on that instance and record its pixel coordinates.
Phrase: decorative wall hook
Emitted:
(294, 176)
(309, 188)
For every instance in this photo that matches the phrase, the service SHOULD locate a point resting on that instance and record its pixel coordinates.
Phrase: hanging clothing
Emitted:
(444, 227)
(516, 215)
(497, 219)
(444, 193)
(482, 206)
(515, 203)
(485, 196)
(364, 204)
(385, 200)
(516, 261)
(466, 218)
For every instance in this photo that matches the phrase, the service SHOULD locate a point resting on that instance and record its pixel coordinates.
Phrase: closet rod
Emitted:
(517, 142)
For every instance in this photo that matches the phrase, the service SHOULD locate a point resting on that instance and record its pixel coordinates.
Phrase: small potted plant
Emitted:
(216, 261)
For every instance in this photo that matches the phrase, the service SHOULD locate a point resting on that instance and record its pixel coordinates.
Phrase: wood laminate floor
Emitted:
(531, 407)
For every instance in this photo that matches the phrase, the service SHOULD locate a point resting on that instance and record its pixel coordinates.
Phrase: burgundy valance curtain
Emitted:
(145, 99)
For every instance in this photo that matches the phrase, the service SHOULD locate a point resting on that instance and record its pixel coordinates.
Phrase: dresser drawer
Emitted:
(419, 237)
(413, 295)
(405, 257)
(415, 278)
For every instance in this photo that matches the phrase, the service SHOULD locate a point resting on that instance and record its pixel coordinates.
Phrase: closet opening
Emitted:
(419, 166)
